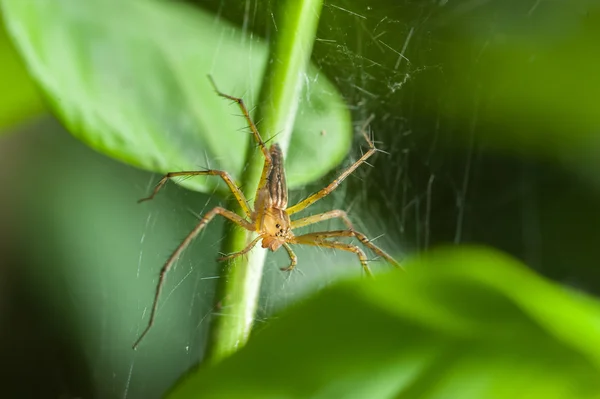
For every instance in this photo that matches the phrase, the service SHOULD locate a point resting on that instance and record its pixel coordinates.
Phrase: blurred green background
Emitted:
(487, 111)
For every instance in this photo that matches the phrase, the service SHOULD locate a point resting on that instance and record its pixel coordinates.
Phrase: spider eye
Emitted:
(278, 225)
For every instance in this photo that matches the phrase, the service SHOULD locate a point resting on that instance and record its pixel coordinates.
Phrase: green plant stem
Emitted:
(239, 283)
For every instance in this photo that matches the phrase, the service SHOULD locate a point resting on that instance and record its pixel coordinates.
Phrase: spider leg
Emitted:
(337, 213)
(242, 106)
(263, 148)
(242, 252)
(237, 193)
(334, 184)
(360, 236)
(175, 255)
(293, 258)
(318, 240)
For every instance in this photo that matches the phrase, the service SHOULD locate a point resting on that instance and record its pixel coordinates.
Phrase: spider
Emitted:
(270, 217)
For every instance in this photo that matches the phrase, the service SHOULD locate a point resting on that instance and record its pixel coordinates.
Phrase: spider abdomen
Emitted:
(276, 184)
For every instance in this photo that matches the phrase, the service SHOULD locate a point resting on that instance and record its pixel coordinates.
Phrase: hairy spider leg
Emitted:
(267, 167)
(321, 217)
(334, 184)
(242, 252)
(242, 105)
(338, 213)
(293, 258)
(175, 255)
(235, 190)
(319, 240)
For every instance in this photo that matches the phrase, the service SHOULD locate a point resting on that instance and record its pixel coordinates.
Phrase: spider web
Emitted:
(359, 74)
(111, 314)
(383, 56)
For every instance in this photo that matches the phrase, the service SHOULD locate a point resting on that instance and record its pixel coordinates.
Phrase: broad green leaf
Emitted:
(460, 323)
(19, 98)
(130, 79)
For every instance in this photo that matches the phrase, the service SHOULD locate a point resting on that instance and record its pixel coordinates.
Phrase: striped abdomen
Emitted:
(276, 186)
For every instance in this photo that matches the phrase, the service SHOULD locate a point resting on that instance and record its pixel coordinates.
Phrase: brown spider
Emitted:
(271, 215)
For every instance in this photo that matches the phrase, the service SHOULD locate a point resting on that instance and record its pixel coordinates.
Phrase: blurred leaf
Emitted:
(19, 98)
(461, 323)
(129, 79)
(529, 77)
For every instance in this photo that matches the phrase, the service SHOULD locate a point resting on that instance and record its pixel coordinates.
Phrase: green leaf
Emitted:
(461, 323)
(129, 79)
(20, 98)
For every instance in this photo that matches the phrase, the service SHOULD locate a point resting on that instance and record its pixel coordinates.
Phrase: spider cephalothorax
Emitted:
(270, 218)
(275, 229)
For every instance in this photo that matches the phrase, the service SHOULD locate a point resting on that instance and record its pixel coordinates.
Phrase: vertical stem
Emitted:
(239, 284)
